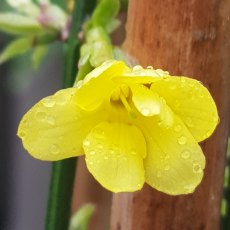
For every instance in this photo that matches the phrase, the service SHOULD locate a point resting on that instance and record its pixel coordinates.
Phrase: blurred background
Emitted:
(24, 181)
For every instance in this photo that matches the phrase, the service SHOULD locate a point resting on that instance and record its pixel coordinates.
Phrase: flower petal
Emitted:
(174, 162)
(55, 127)
(192, 102)
(97, 86)
(141, 75)
(114, 155)
(146, 101)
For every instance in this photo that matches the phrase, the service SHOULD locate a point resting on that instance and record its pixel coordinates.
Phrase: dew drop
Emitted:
(100, 147)
(40, 115)
(189, 188)
(196, 168)
(90, 162)
(145, 112)
(137, 68)
(62, 99)
(54, 149)
(25, 122)
(111, 151)
(149, 67)
(177, 128)
(50, 120)
(92, 152)
(48, 101)
(22, 134)
(189, 122)
(86, 143)
(182, 140)
(133, 152)
(185, 154)
(106, 158)
(139, 185)
(201, 95)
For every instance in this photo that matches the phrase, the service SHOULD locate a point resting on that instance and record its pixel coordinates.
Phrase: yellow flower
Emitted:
(133, 125)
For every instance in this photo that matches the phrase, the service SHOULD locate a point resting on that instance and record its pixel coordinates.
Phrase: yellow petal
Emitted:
(149, 104)
(55, 127)
(98, 85)
(192, 102)
(146, 101)
(174, 162)
(141, 75)
(114, 155)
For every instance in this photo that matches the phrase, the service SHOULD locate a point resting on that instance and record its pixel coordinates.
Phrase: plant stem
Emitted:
(63, 172)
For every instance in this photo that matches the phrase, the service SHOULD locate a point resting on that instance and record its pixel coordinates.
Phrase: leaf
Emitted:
(18, 24)
(16, 47)
(25, 6)
(105, 11)
(80, 220)
(38, 55)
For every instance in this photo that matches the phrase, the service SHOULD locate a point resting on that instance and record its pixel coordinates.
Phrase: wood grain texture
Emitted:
(190, 38)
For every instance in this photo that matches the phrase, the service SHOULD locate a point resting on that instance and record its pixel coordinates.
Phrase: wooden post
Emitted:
(190, 38)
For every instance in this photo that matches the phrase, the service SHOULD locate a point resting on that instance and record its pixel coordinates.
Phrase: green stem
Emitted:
(63, 172)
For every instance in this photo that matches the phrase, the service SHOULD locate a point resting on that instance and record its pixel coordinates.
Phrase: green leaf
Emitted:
(38, 55)
(18, 24)
(80, 220)
(105, 11)
(25, 6)
(17, 47)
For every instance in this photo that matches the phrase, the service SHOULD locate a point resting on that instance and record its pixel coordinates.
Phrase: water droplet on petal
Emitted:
(48, 101)
(185, 154)
(92, 152)
(189, 188)
(196, 168)
(149, 67)
(40, 115)
(100, 147)
(182, 140)
(139, 185)
(86, 143)
(177, 128)
(25, 122)
(50, 120)
(22, 134)
(137, 68)
(145, 112)
(54, 149)
(62, 99)
(133, 152)
(106, 157)
(189, 122)
(111, 151)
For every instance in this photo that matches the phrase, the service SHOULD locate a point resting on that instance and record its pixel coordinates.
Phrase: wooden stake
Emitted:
(190, 38)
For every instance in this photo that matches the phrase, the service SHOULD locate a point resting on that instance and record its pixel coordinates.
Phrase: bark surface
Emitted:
(190, 38)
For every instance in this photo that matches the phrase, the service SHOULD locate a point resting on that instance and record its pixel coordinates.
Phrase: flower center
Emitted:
(121, 95)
